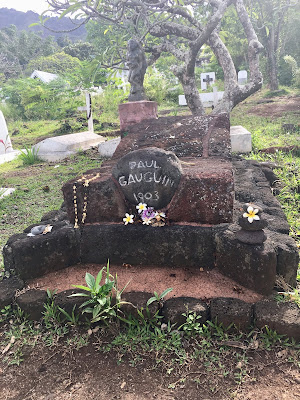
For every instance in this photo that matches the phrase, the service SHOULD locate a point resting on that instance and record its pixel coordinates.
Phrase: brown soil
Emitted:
(184, 281)
(277, 108)
(63, 373)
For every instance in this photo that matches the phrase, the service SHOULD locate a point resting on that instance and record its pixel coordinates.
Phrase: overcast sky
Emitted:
(25, 5)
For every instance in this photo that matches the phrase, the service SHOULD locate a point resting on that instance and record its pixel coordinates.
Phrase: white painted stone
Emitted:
(6, 192)
(60, 147)
(5, 143)
(212, 78)
(242, 77)
(108, 148)
(207, 99)
(240, 139)
(9, 156)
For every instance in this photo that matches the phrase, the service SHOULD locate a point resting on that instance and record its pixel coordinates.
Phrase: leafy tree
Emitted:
(60, 63)
(271, 19)
(31, 99)
(180, 28)
(80, 50)
(18, 48)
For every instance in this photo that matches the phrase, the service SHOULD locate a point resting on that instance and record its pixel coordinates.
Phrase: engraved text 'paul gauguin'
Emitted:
(149, 176)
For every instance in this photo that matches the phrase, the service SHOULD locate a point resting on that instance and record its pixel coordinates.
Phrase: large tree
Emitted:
(180, 28)
(270, 18)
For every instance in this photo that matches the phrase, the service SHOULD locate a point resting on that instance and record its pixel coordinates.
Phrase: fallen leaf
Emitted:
(12, 341)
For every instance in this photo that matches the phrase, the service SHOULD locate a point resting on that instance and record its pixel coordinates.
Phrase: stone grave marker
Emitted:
(149, 175)
(242, 77)
(5, 143)
(207, 79)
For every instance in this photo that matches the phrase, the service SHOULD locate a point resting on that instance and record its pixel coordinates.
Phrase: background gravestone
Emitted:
(148, 176)
(207, 79)
(5, 143)
(242, 77)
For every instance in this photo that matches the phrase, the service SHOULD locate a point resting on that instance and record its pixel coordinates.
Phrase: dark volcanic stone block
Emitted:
(8, 288)
(105, 202)
(186, 136)
(144, 245)
(251, 237)
(287, 257)
(284, 318)
(232, 311)
(173, 310)
(205, 194)
(253, 266)
(67, 303)
(32, 303)
(134, 301)
(32, 257)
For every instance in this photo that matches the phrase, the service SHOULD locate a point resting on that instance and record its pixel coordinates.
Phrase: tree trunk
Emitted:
(272, 62)
(191, 93)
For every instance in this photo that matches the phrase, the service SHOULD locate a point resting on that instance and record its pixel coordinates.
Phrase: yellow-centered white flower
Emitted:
(251, 214)
(141, 207)
(128, 219)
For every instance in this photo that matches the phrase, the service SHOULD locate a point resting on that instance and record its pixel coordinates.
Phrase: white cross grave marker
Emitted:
(88, 109)
(207, 79)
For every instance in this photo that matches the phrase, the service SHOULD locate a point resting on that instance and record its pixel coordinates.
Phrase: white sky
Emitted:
(25, 5)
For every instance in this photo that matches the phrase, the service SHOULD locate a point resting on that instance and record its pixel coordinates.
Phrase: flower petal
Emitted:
(250, 209)
(256, 217)
(256, 211)
(245, 215)
(250, 219)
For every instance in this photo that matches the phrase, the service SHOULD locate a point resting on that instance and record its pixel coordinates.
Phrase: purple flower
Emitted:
(149, 213)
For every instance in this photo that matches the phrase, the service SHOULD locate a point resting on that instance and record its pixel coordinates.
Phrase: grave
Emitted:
(240, 139)
(170, 197)
(5, 142)
(208, 99)
(59, 147)
(242, 77)
(207, 79)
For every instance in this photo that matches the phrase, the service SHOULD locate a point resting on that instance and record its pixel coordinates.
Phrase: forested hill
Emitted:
(22, 20)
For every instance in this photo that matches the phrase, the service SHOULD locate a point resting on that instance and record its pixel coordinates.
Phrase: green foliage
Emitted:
(295, 69)
(158, 297)
(293, 297)
(30, 99)
(155, 85)
(18, 48)
(101, 303)
(58, 63)
(73, 318)
(80, 50)
(192, 326)
(108, 103)
(29, 156)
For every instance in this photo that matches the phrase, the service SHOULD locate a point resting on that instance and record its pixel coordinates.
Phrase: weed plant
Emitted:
(29, 156)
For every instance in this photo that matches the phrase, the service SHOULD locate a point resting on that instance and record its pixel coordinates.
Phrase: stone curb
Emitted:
(284, 318)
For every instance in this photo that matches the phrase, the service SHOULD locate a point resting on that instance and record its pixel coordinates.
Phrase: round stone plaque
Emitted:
(148, 176)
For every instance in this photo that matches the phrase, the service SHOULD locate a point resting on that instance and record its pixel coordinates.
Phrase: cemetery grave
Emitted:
(209, 216)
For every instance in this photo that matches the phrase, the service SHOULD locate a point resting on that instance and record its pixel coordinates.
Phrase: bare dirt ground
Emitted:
(63, 373)
(185, 281)
(276, 107)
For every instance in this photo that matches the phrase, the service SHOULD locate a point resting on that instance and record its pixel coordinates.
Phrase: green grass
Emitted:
(31, 200)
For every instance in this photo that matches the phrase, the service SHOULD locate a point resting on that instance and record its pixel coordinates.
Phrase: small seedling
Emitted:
(158, 297)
